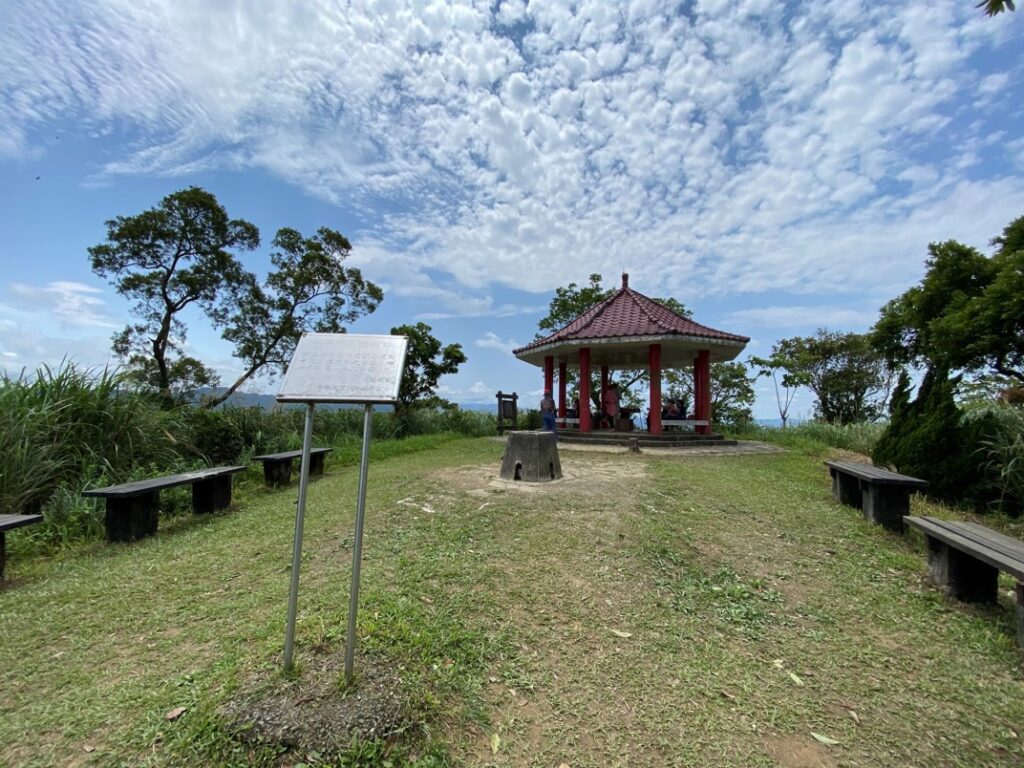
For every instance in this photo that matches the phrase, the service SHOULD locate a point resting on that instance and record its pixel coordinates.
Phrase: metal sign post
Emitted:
(300, 516)
(339, 368)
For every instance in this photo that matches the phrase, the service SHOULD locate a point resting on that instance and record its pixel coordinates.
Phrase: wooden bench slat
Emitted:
(10, 522)
(1009, 546)
(958, 537)
(140, 487)
(876, 474)
(289, 454)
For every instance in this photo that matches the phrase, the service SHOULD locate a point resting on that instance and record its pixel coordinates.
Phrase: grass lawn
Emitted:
(645, 611)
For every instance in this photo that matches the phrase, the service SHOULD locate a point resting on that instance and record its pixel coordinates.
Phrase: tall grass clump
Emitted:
(817, 436)
(1003, 450)
(68, 427)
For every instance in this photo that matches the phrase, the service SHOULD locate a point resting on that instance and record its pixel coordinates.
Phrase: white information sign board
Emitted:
(339, 368)
(344, 368)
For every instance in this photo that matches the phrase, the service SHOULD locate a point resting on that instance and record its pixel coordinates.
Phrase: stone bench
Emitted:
(132, 507)
(883, 496)
(277, 467)
(9, 523)
(964, 559)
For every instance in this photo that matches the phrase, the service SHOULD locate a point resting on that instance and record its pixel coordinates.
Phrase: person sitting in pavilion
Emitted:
(610, 406)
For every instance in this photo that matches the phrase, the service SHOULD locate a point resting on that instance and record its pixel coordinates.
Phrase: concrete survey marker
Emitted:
(531, 457)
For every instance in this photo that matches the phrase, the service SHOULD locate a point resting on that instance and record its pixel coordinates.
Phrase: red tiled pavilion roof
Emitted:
(627, 313)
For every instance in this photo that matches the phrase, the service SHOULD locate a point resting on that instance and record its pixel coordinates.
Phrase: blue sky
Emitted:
(775, 167)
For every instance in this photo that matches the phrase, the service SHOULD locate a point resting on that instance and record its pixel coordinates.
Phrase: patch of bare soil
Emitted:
(795, 751)
(579, 477)
(316, 713)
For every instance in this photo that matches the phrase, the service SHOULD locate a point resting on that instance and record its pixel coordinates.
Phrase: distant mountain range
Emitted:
(269, 402)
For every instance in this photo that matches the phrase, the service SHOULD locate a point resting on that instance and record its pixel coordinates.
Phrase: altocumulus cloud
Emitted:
(748, 146)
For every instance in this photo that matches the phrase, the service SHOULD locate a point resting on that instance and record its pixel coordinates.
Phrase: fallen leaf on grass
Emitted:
(795, 678)
(728, 695)
(563, 765)
(778, 663)
(824, 739)
(620, 633)
(854, 716)
(89, 748)
(175, 713)
(495, 743)
(425, 599)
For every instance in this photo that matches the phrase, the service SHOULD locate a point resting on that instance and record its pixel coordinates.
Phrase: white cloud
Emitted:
(827, 316)
(742, 147)
(491, 340)
(72, 304)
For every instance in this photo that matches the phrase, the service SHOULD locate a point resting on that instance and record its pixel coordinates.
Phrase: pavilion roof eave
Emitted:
(726, 349)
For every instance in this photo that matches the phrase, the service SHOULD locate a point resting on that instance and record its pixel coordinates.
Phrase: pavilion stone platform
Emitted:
(643, 439)
(531, 457)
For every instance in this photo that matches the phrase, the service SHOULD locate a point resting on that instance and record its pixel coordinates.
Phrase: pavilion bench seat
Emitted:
(277, 467)
(883, 496)
(132, 507)
(688, 423)
(9, 523)
(964, 559)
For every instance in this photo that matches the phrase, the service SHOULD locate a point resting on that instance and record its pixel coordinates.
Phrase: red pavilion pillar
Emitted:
(561, 390)
(604, 388)
(654, 364)
(702, 374)
(549, 373)
(585, 389)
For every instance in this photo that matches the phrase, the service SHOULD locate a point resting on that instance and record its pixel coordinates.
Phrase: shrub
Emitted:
(1003, 451)
(930, 439)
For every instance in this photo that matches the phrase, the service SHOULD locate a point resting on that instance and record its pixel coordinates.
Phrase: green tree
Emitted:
(995, 7)
(425, 363)
(786, 386)
(967, 313)
(178, 255)
(165, 260)
(849, 378)
(732, 391)
(569, 303)
(308, 290)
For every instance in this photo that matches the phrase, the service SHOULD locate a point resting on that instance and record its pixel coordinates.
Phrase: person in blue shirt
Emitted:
(547, 412)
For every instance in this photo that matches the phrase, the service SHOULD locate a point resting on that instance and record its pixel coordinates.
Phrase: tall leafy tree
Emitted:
(165, 260)
(570, 302)
(179, 254)
(850, 379)
(966, 314)
(786, 386)
(426, 361)
(309, 289)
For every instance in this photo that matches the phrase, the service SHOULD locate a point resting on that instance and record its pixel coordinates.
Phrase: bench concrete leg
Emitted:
(277, 472)
(886, 505)
(1020, 614)
(212, 494)
(962, 576)
(132, 518)
(316, 463)
(846, 489)
(3, 554)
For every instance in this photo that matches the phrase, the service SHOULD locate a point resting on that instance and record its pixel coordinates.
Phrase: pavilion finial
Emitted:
(625, 280)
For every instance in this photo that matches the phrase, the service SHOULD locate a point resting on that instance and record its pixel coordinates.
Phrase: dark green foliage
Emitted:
(966, 314)
(425, 363)
(309, 290)
(212, 436)
(929, 438)
(850, 379)
(164, 260)
(179, 254)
